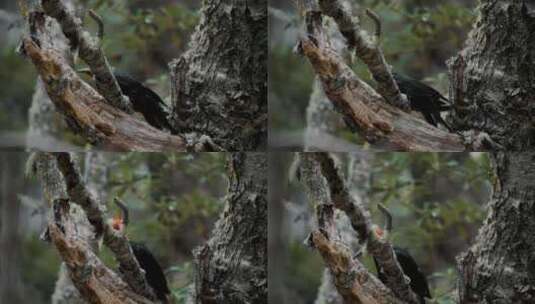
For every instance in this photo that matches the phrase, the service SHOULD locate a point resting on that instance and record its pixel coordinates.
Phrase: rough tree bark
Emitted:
(43, 166)
(490, 86)
(76, 226)
(328, 192)
(359, 173)
(491, 79)
(44, 121)
(500, 265)
(220, 83)
(232, 266)
(11, 289)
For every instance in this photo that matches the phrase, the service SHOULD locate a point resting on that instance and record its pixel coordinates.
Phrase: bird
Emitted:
(418, 281)
(144, 100)
(424, 99)
(153, 271)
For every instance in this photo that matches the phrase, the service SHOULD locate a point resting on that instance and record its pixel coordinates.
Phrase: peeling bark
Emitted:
(219, 86)
(76, 227)
(364, 110)
(500, 265)
(352, 280)
(88, 112)
(43, 166)
(232, 266)
(97, 283)
(44, 120)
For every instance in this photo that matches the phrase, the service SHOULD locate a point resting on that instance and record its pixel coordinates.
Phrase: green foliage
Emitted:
(141, 38)
(17, 79)
(40, 266)
(437, 202)
(145, 181)
(177, 211)
(162, 210)
(291, 82)
(181, 293)
(304, 273)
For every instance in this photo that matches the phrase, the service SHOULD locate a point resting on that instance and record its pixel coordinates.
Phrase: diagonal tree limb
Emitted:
(116, 241)
(351, 278)
(370, 53)
(96, 282)
(360, 220)
(363, 108)
(88, 111)
(90, 51)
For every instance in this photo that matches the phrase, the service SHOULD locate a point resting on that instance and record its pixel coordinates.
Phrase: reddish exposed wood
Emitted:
(88, 111)
(378, 122)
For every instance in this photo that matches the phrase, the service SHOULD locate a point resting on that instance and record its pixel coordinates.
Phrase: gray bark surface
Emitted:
(219, 86)
(500, 265)
(45, 168)
(43, 118)
(491, 81)
(232, 266)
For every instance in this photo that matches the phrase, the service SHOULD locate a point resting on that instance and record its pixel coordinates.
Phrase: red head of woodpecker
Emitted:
(120, 220)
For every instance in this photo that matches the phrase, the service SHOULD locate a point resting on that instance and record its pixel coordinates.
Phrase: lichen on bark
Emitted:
(219, 86)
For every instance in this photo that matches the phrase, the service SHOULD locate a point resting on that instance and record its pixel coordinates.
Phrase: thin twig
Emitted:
(388, 218)
(100, 24)
(378, 26)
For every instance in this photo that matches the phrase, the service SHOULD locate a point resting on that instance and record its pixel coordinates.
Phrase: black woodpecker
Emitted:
(153, 271)
(423, 99)
(410, 269)
(144, 100)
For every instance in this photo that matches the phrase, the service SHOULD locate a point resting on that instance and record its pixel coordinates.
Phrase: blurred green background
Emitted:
(418, 37)
(141, 38)
(173, 199)
(437, 201)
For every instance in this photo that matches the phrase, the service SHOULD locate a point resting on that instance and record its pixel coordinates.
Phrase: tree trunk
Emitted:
(278, 249)
(44, 121)
(219, 86)
(500, 266)
(491, 81)
(10, 281)
(44, 166)
(232, 266)
(359, 174)
(322, 120)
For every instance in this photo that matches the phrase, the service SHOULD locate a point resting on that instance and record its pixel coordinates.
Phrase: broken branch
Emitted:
(89, 51)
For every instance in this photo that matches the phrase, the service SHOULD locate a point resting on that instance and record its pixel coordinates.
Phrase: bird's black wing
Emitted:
(153, 271)
(423, 98)
(411, 269)
(379, 270)
(144, 101)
